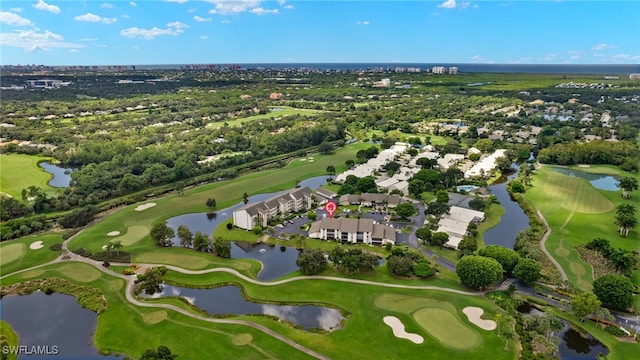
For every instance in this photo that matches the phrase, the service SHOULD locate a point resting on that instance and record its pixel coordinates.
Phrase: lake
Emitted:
(573, 344)
(61, 176)
(55, 321)
(512, 221)
(599, 181)
(228, 300)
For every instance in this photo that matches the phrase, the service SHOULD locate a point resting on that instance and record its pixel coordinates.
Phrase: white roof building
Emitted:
(450, 160)
(456, 222)
(485, 165)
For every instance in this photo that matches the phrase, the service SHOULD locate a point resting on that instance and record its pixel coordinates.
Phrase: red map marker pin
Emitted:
(330, 207)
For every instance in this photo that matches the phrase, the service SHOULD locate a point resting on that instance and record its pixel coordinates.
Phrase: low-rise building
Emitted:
(368, 199)
(259, 213)
(455, 224)
(354, 231)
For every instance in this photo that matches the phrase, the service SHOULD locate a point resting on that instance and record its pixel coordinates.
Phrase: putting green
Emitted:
(31, 274)
(134, 234)
(114, 285)
(447, 328)
(241, 339)
(574, 194)
(182, 260)
(11, 252)
(409, 304)
(79, 272)
(154, 317)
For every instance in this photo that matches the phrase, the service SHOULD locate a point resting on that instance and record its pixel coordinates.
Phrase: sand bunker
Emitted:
(113, 233)
(145, 206)
(36, 245)
(398, 330)
(473, 314)
(584, 166)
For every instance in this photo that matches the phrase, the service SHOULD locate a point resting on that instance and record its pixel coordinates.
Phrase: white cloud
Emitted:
(173, 28)
(262, 11)
(178, 1)
(74, 50)
(124, 16)
(225, 21)
(32, 40)
(88, 39)
(89, 17)
(448, 4)
(452, 4)
(201, 19)
(226, 7)
(106, 6)
(363, 22)
(624, 57)
(288, 7)
(41, 5)
(281, 2)
(204, 37)
(133, 3)
(480, 59)
(12, 19)
(602, 46)
(16, 9)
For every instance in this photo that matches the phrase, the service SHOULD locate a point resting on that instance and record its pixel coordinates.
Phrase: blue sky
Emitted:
(54, 32)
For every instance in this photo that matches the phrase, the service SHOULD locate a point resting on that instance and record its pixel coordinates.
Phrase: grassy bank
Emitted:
(21, 171)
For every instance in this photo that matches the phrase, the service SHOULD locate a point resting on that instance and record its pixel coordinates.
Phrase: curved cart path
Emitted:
(68, 256)
(544, 248)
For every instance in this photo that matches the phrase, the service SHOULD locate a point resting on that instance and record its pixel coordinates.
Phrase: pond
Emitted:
(61, 176)
(228, 300)
(55, 322)
(599, 181)
(512, 221)
(573, 344)
(276, 261)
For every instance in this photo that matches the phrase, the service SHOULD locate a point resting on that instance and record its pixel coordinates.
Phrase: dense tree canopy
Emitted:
(527, 270)
(311, 262)
(615, 291)
(478, 272)
(506, 257)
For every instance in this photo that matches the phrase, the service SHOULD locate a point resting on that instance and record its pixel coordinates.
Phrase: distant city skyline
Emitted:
(255, 31)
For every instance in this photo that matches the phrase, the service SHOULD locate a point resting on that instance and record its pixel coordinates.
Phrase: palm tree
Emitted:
(116, 245)
(625, 222)
(628, 184)
(498, 319)
(625, 209)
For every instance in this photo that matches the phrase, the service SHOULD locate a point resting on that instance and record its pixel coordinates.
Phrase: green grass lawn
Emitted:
(19, 171)
(182, 334)
(365, 321)
(577, 213)
(8, 337)
(16, 255)
(133, 225)
(286, 111)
